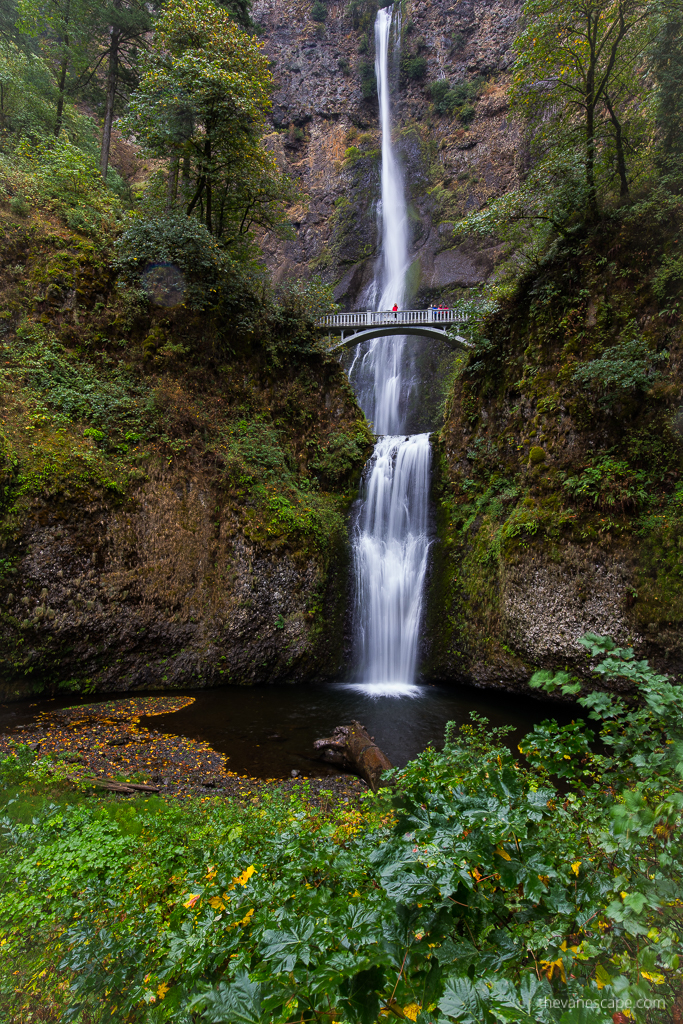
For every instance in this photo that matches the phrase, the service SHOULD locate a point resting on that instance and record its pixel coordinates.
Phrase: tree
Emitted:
(64, 28)
(667, 62)
(202, 101)
(123, 27)
(580, 79)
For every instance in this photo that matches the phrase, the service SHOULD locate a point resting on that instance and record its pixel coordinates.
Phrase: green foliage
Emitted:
(368, 80)
(174, 240)
(448, 99)
(627, 367)
(309, 300)
(341, 455)
(579, 80)
(110, 403)
(493, 888)
(668, 279)
(414, 68)
(362, 14)
(202, 100)
(319, 11)
(610, 484)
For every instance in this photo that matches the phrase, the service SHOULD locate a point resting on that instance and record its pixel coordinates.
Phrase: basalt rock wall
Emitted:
(326, 135)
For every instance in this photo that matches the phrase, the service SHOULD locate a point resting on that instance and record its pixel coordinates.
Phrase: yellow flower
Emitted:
(411, 1010)
(162, 990)
(575, 867)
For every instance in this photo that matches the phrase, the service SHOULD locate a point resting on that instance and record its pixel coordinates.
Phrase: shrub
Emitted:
(466, 114)
(19, 206)
(626, 367)
(415, 68)
(319, 11)
(448, 99)
(174, 245)
(368, 81)
(494, 888)
(344, 66)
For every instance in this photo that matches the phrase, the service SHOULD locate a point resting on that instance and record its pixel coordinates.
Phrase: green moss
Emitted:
(538, 459)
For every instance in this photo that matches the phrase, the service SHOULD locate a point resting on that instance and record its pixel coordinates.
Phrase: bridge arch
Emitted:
(408, 330)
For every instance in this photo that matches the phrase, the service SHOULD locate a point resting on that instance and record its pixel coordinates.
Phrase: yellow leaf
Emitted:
(656, 979)
(245, 876)
(575, 867)
(602, 978)
(549, 968)
(411, 1010)
(192, 900)
(245, 919)
(503, 853)
(217, 903)
(162, 990)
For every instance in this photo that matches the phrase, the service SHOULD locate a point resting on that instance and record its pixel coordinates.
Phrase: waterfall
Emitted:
(390, 539)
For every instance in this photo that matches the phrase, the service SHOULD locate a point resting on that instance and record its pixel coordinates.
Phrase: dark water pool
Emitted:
(267, 731)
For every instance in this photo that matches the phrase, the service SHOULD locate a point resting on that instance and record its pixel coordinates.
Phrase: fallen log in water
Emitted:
(351, 747)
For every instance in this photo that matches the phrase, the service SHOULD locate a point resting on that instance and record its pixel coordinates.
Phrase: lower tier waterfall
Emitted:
(390, 548)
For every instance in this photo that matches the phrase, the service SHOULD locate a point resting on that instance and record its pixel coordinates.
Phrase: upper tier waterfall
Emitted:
(390, 538)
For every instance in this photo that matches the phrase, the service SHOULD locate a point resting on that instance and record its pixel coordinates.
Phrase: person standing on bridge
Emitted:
(394, 310)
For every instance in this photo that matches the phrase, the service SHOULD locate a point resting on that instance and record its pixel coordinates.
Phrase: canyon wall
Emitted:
(326, 135)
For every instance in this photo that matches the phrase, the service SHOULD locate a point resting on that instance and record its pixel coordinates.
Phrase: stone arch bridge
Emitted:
(425, 323)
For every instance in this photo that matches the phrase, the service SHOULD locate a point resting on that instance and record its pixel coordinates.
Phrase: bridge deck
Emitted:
(342, 322)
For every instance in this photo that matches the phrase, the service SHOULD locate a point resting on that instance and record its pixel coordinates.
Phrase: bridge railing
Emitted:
(369, 318)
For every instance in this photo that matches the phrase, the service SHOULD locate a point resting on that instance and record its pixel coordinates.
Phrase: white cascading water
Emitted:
(391, 538)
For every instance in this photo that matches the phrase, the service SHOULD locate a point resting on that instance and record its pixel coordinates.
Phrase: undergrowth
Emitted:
(485, 888)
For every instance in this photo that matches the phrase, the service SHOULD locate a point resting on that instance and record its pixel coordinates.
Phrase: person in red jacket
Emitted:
(394, 310)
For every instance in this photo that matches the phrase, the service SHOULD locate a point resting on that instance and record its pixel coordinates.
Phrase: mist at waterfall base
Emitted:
(390, 536)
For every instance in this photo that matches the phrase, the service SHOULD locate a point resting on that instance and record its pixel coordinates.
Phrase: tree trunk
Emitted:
(60, 98)
(172, 184)
(112, 81)
(351, 747)
(619, 143)
(185, 181)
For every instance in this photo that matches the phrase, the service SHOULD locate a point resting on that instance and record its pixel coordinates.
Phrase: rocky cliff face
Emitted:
(325, 132)
(172, 511)
(559, 502)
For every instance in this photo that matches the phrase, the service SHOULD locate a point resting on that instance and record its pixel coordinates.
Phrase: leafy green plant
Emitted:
(490, 891)
(414, 68)
(368, 81)
(611, 484)
(319, 11)
(628, 366)
(448, 99)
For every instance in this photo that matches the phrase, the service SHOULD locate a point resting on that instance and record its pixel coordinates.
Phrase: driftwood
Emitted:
(115, 787)
(352, 748)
